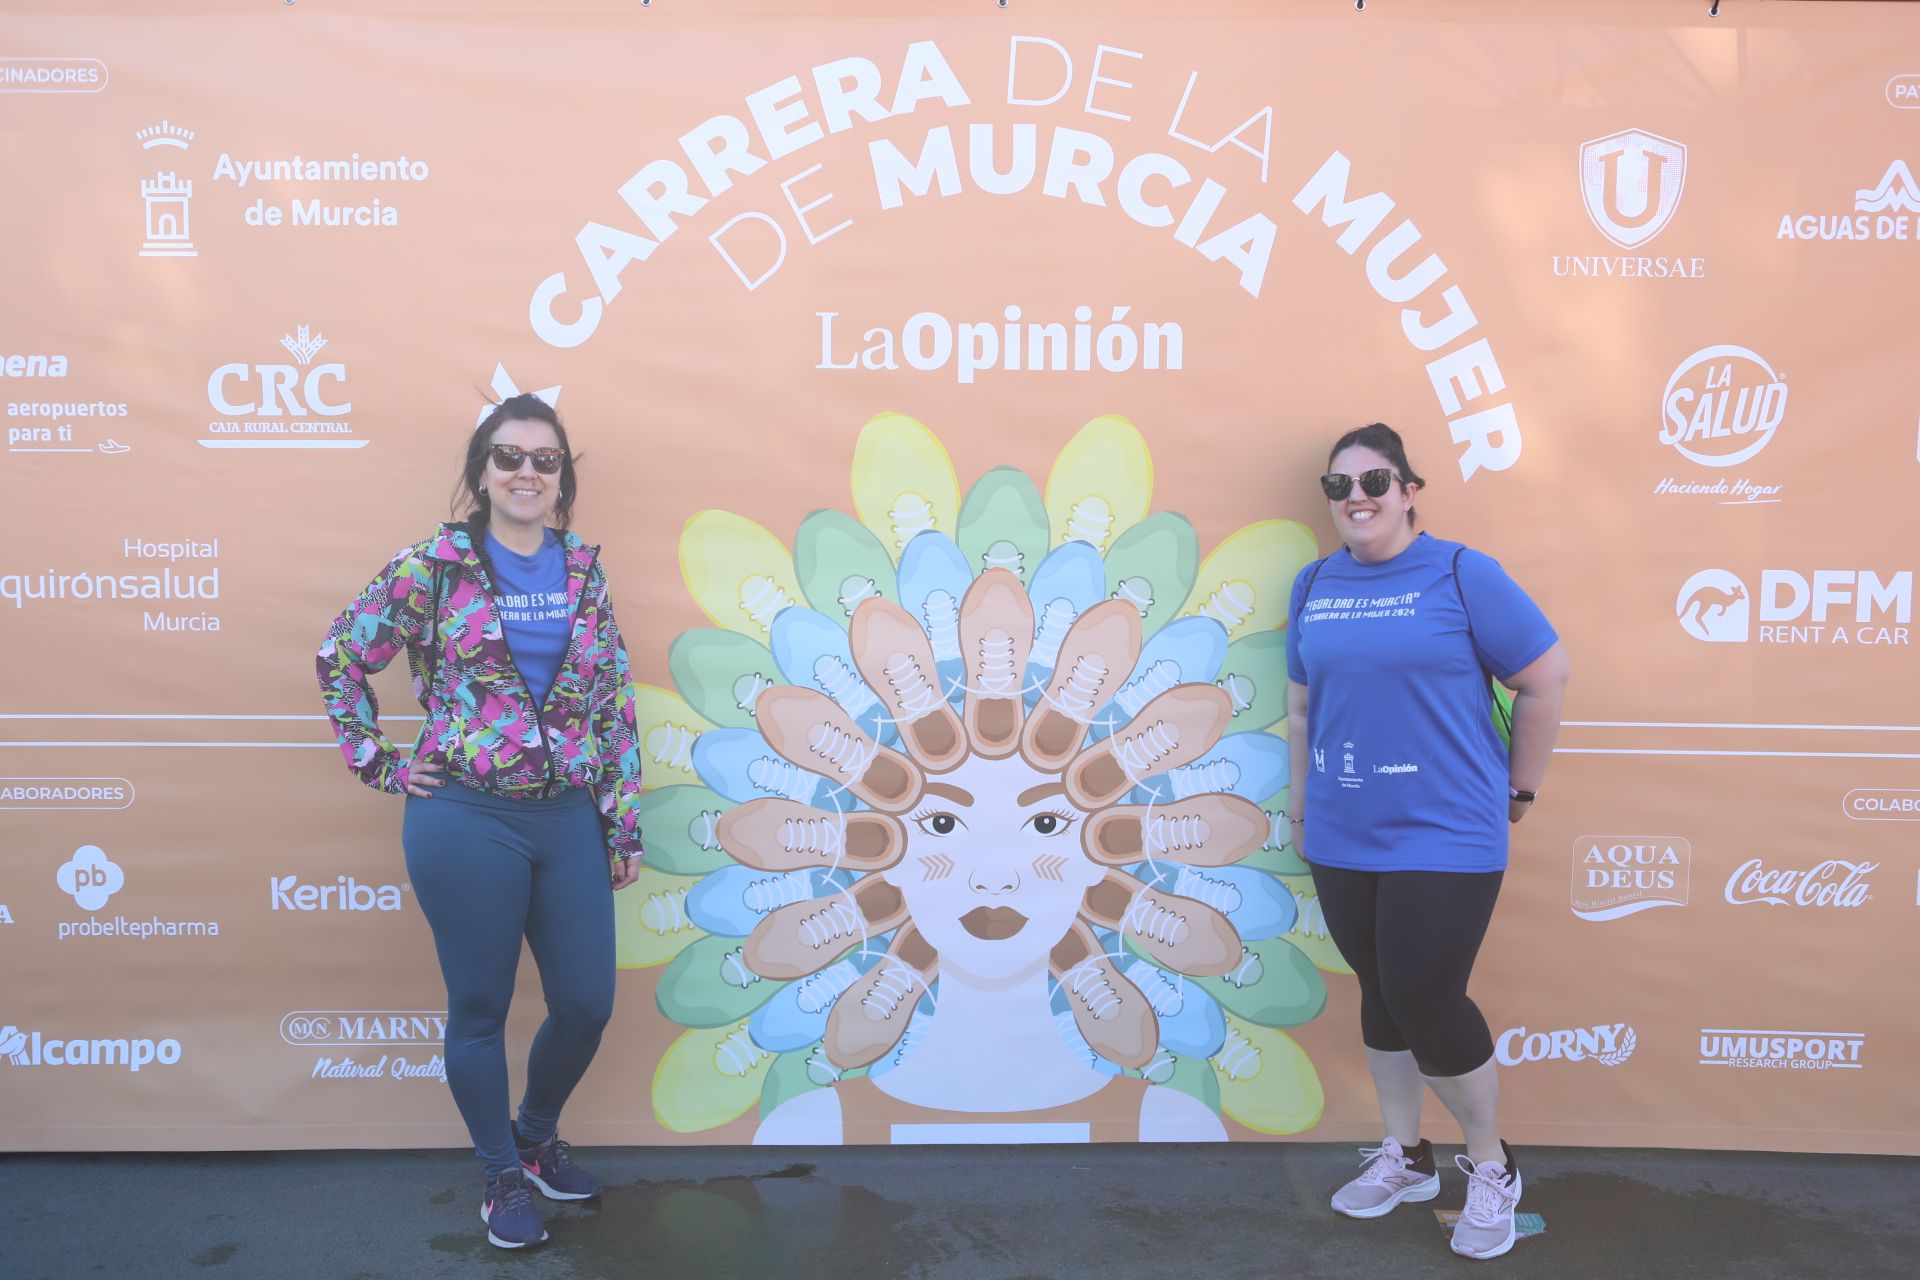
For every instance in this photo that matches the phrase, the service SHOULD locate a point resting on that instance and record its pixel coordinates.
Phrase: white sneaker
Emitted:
(1388, 1177)
(1485, 1228)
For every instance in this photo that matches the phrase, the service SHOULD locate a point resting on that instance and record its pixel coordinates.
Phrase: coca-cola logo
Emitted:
(1833, 883)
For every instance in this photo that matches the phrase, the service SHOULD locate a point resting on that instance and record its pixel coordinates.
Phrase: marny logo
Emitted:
(1722, 406)
(1781, 1050)
(344, 894)
(1833, 883)
(91, 877)
(1610, 1044)
(387, 1028)
(272, 404)
(31, 1049)
(1617, 876)
(1631, 184)
(1793, 608)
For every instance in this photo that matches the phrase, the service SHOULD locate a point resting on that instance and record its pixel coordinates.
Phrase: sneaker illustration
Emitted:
(1202, 831)
(1186, 651)
(933, 577)
(797, 1015)
(782, 835)
(996, 634)
(1110, 1011)
(1485, 1228)
(1184, 934)
(805, 937)
(507, 1209)
(733, 901)
(1093, 658)
(897, 661)
(1251, 765)
(810, 729)
(550, 1166)
(869, 1020)
(812, 652)
(1071, 580)
(709, 984)
(1389, 1177)
(1257, 905)
(1174, 729)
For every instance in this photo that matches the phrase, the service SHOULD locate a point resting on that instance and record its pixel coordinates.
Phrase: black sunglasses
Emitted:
(1372, 483)
(508, 458)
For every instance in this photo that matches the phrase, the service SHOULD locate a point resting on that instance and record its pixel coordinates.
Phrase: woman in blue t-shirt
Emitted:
(1408, 790)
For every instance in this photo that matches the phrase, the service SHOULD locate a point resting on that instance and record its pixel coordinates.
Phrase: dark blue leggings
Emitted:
(1411, 937)
(488, 871)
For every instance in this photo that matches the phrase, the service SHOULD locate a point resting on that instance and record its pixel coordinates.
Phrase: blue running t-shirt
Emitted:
(1405, 771)
(531, 594)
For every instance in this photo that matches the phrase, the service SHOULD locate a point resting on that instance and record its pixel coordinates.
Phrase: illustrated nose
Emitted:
(993, 881)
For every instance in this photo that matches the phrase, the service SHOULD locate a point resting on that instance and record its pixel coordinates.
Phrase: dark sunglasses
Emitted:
(508, 457)
(1372, 483)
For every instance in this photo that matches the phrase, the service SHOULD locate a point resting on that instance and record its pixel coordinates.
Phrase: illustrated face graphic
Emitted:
(994, 871)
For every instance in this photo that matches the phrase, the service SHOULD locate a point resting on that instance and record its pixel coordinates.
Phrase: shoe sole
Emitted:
(548, 1190)
(498, 1243)
(1417, 1194)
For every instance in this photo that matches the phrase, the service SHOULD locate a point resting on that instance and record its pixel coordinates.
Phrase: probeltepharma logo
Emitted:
(1609, 1043)
(91, 877)
(1866, 607)
(274, 404)
(287, 893)
(370, 1030)
(1630, 183)
(1881, 212)
(1722, 405)
(168, 197)
(21, 1048)
(1618, 876)
(1836, 882)
(1782, 1050)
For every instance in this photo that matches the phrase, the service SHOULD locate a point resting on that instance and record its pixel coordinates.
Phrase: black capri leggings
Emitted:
(1411, 937)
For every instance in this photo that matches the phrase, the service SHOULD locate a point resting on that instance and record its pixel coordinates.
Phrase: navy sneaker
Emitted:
(550, 1167)
(507, 1209)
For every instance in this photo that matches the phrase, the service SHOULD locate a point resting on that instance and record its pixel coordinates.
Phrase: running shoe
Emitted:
(1389, 1176)
(1485, 1227)
(507, 1209)
(550, 1166)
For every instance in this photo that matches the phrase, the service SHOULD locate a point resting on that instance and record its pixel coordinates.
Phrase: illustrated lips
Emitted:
(993, 924)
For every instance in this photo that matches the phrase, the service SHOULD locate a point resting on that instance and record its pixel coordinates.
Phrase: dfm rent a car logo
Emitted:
(1722, 406)
(1793, 607)
(91, 877)
(1608, 1043)
(1631, 182)
(32, 1049)
(1836, 882)
(344, 894)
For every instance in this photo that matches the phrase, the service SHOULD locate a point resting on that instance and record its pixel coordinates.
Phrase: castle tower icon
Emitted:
(168, 198)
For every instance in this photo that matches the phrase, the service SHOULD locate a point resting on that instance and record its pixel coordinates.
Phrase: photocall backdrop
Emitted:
(1085, 291)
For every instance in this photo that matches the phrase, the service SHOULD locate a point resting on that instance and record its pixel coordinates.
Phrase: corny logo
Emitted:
(1608, 1043)
(1630, 182)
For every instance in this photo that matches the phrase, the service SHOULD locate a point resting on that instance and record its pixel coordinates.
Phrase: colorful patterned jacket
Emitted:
(481, 719)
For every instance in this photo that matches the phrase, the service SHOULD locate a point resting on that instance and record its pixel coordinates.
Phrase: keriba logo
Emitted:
(1631, 184)
(344, 894)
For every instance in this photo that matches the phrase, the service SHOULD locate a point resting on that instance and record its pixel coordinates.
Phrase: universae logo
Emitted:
(1631, 183)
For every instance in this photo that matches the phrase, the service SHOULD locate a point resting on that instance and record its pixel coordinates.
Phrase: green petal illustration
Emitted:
(709, 984)
(840, 563)
(1309, 931)
(1152, 564)
(1003, 507)
(1194, 1077)
(707, 1077)
(1267, 1082)
(1274, 985)
(1255, 674)
(1277, 855)
(720, 673)
(679, 824)
(801, 1071)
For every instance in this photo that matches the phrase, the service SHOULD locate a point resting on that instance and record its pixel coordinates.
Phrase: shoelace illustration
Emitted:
(1239, 690)
(1089, 984)
(837, 920)
(1489, 1196)
(1150, 684)
(998, 679)
(838, 682)
(911, 514)
(1004, 555)
(911, 691)
(1055, 619)
(824, 836)
(1308, 919)
(943, 625)
(671, 744)
(748, 688)
(704, 830)
(760, 598)
(1090, 520)
(814, 994)
(734, 971)
(1238, 1058)
(1147, 918)
(1222, 895)
(666, 913)
(1248, 971)
(773, 892)
(1163, 834)
(1138, 751)
(819, 1070)
(891, 988)
(849, 754)
(782, 778)
(854, 588)
(1197, 779)
(1162, 991)
(1137, 590)
(737, 1054)
(1231, 604)
(1076, 696)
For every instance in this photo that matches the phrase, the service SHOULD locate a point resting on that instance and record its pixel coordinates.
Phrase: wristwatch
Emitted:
(1524, 797)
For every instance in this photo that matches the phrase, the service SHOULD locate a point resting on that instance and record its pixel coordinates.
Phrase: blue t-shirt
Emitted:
(531, 594)
(1405, 770)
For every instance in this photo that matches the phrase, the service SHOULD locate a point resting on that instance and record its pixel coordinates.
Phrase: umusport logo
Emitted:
(1608, 1043)
(1782, 1050)
(1631, 183)
(32, 1049)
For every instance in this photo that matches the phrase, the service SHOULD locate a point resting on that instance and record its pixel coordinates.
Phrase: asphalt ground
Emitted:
(1004, 1213)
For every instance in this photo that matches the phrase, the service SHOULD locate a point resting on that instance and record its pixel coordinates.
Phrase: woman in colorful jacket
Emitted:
(509, 632)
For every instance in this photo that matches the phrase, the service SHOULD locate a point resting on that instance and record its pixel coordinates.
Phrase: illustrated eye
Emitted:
(1050, 824)
(938, 824)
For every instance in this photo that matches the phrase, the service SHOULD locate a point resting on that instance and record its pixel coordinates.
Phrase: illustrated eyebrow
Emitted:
(947, 791)
(1036, 793)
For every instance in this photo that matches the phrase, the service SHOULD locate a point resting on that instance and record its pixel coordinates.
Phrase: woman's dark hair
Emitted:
(1386, 442)
(470, 493)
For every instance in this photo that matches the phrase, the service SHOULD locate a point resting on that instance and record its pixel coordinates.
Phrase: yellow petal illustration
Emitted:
(1267, 1082)
(1100, 484)
(668, 728)
(708, 1077)
(737, 571)
(1244, 584)
(650, 920)
(903, 481)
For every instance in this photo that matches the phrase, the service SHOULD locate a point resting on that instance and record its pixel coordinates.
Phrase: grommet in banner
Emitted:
(1714, 10)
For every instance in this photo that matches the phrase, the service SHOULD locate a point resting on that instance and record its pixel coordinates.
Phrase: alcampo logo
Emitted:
(1722, 406)
(1798, 608)
(1631, 183)
(344, 894)
(91, 877)
(1608, 1043)
(31, 1049)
